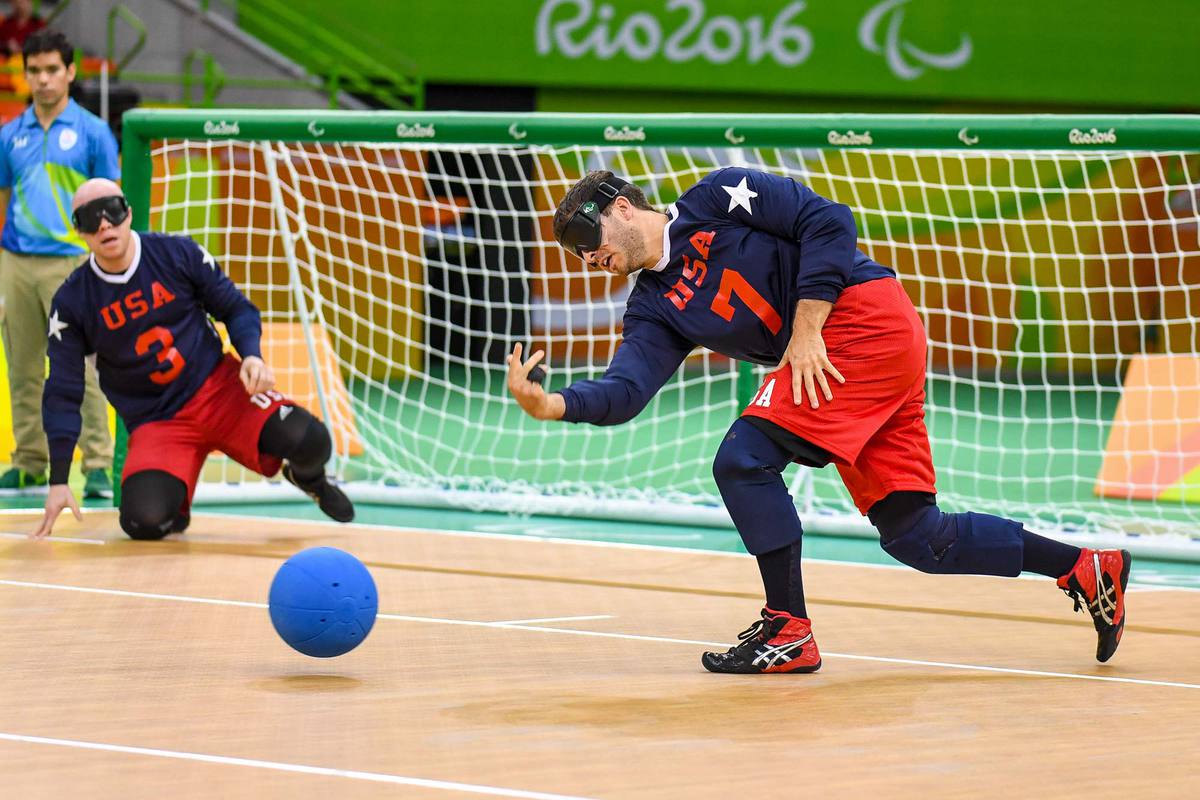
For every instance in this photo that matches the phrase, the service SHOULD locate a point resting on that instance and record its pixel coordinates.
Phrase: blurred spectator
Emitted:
(16, 27)
(45, 155)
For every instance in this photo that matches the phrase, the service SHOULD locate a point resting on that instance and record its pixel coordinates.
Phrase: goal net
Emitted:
(397, 258)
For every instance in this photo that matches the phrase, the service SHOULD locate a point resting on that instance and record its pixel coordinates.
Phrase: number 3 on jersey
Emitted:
(167, 354)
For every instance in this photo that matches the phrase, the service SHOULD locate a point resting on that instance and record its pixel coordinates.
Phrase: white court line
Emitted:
(375, 777)
(51, 539)
(553, 619)
(145, 595)
(626, 636)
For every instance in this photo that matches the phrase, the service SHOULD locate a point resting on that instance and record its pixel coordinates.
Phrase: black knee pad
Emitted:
(748, 469)
(297, 436)
(741, 458)
(152, 505)
(914, 531)
(895, 515)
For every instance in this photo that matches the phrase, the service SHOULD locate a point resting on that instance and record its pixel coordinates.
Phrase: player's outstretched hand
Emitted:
(256, 375)
(809, 362)
(60, 497)
(529, 393)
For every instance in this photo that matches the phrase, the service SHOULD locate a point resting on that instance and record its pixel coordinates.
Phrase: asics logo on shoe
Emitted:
(1105, 603)
(779, 654)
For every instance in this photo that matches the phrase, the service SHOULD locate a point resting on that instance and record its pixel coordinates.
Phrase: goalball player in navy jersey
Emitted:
(140, 305)
(760, 268)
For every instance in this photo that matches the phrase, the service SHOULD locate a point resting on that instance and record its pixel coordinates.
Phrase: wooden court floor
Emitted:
(514, 667)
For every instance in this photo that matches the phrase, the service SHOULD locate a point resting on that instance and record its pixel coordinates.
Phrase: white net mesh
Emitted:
(408, 273)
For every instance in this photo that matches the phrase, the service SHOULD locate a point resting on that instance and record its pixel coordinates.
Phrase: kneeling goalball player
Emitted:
(141, 304)
(760, 268)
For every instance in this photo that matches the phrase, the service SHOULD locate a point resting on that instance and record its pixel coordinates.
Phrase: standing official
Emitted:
(45, 155)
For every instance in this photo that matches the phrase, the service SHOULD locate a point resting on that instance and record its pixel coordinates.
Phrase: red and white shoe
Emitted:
(778, 642)
(1098, 582)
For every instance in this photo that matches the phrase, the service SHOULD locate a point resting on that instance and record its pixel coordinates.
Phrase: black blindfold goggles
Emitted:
(583, 233)
(113, 208)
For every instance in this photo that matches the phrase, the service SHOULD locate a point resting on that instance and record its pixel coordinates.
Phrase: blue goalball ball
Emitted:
(323, 602)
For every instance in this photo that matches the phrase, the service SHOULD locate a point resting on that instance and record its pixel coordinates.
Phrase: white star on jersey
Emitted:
(740, 196)
(57, 326)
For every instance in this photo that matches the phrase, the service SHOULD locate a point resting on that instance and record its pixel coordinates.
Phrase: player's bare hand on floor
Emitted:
(256, 375)
(59, 498)
(528, 393)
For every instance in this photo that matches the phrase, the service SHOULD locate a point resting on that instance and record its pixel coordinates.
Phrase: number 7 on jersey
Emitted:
(732, 283)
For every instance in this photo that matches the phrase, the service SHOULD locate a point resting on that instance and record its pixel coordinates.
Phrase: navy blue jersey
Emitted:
(150, 331)
(741, 247)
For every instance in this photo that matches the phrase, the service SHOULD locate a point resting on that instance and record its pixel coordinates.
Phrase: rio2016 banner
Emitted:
(1070, 52)
(579, 28)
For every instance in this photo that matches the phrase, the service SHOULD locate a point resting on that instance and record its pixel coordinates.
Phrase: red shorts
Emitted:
(220, 416)
(875, 424)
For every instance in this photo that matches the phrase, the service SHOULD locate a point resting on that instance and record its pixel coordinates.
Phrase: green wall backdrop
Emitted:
(1077, 53)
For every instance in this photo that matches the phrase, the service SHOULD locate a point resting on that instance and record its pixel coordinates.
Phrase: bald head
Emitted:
(91, 189)
(102, 219)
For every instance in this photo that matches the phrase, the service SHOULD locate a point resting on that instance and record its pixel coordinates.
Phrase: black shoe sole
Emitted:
(339, 515)
(753, 671)
(344, 512)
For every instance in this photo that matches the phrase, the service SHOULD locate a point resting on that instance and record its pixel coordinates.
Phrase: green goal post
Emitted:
(1053, 258)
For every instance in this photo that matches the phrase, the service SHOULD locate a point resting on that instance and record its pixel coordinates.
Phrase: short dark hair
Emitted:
(583, 190)
(48, 40)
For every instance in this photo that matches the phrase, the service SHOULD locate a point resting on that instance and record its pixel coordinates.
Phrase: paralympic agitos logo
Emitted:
(580, 28)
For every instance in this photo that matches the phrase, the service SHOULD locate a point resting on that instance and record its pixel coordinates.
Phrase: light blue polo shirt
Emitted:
(44, 168)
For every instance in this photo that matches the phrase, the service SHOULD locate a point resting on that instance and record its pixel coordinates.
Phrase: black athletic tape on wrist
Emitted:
(60, 471)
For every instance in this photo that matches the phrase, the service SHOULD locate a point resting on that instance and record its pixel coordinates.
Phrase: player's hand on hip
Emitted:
(809, 363)
(528, 392)
(59, 497)
(256, 375)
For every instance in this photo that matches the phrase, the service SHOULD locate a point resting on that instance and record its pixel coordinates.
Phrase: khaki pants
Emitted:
(27, 285)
